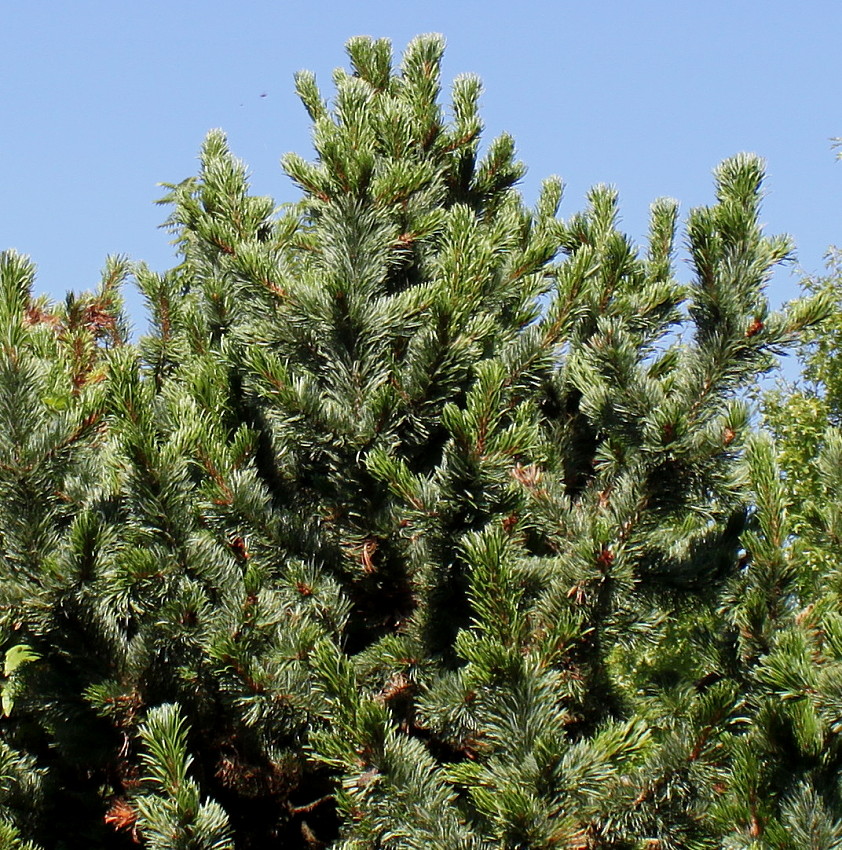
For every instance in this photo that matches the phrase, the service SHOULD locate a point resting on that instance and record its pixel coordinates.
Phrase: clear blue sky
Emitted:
(100, 101)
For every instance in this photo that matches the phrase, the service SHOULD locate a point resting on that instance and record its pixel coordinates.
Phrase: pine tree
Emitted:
(419, 518)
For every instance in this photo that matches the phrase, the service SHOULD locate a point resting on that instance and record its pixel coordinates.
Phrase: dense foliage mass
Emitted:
(420, 518)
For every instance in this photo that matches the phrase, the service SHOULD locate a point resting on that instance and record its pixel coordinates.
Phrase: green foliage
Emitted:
(419, 518)
(16, 657)
(174, 817)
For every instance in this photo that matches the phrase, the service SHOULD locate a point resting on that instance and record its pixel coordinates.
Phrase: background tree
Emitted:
(787, 602)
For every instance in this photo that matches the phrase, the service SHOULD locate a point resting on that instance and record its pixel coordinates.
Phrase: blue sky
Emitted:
(100, 101)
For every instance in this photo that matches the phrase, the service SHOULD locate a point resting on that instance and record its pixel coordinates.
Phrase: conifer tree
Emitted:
(419, 518)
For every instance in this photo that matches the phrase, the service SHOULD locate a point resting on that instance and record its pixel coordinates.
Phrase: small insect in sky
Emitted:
(264, 94)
